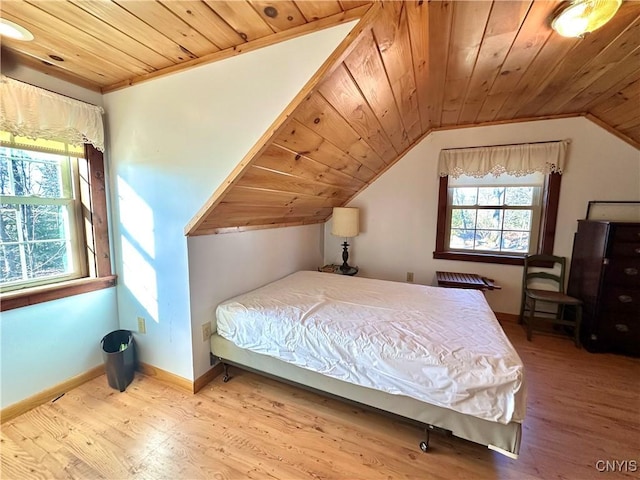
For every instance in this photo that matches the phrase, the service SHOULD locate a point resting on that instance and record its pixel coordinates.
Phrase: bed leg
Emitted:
(226, 376)
(424, 445)
(428, 428)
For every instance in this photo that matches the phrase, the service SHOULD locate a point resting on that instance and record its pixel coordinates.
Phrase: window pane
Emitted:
(8, 226)
(491, 196)
(463, 218)
(461, 238)
(490, 219)
(44, 222)
(34, 174)
(515, 241)
(10, 263)
(40, 179)
(519, 196)
(465, 196)
(488, 240)
(47, 258)
(5, 180)
(517, 220)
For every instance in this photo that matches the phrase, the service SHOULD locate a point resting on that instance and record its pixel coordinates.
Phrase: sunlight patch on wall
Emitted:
(136, 217)
(138, 248)
(140, 278)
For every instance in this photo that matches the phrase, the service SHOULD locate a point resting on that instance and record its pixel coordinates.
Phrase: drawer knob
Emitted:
(631, 271)
(637, 250)
(621, 327)
(625, 298)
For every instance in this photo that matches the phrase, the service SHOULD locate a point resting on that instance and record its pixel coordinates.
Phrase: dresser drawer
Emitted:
(619, 333)
(621, 300)
(625, 249)
(623, 271)
(626, 233)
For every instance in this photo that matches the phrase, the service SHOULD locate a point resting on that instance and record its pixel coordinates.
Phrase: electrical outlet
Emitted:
(206, 331)
(410, 277)
(142, 327)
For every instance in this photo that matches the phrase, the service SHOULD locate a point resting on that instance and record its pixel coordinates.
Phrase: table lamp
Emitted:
(346, 224)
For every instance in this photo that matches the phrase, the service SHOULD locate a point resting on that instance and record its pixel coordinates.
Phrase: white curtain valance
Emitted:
(516, 160)
(33, 112)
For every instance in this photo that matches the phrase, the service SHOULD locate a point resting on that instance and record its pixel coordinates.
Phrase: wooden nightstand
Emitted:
(336, 269)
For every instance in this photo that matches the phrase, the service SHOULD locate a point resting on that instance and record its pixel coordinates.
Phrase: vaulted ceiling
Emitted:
(406, 69)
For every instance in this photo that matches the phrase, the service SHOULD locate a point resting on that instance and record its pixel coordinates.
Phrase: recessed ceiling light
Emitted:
(271, 12)
(13, 30)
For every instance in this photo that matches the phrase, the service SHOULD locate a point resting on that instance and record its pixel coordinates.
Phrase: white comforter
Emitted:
(442, 346)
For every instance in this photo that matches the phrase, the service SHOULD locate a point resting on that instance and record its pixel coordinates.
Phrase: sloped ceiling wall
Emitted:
(409, 68)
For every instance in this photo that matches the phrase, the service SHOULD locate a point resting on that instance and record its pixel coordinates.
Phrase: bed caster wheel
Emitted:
(424, 446)
(226, 378)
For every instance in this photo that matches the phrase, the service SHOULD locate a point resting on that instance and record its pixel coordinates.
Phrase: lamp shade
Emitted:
(346, 222)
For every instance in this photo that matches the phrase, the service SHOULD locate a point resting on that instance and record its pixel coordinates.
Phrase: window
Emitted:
(39, 218)
(496, 219)
(52, 220)
(498, 203)
(500, 214)
(53, 210)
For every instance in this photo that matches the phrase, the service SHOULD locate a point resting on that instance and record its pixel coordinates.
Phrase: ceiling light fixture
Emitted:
(584, 16)
(15, 31)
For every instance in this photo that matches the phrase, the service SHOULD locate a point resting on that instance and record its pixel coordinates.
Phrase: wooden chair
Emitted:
(531, 313)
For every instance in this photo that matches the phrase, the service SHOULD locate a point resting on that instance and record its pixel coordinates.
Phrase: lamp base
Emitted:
(351, 271)
(345, 256)
(345, 268)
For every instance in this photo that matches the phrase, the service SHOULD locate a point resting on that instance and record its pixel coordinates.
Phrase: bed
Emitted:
(431, 355)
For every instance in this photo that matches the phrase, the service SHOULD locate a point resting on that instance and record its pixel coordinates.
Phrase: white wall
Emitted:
(222, 266)
(399, 210)
(172, 141)
(45, 344)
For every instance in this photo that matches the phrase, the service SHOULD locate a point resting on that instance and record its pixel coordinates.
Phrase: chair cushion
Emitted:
(550, 296)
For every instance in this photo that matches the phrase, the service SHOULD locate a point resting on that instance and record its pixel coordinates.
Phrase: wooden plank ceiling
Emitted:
(407, 69)
(105, 45)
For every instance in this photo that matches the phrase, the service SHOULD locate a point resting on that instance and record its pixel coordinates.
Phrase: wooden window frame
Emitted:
(98, 254)
(546, 238)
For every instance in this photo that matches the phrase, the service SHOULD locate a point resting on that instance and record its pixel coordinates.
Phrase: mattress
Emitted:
(438, 345)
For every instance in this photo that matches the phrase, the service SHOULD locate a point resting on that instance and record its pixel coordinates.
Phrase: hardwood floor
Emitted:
(583, 416)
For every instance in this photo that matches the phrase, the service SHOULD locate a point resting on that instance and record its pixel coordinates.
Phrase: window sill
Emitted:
(46, 293)
(480, 257)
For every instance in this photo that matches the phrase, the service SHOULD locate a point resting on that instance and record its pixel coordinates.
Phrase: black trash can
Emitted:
(118, 352)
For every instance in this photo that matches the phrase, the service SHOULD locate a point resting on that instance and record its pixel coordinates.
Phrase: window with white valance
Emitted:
(499, 203)
(54, 240)
(32, 112)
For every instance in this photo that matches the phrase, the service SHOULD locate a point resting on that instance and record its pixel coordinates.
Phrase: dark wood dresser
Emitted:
(605, 275)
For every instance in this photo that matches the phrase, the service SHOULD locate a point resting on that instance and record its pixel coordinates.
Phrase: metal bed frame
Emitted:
(502, 438)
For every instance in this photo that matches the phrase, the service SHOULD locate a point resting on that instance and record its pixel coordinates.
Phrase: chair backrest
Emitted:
(544, 261)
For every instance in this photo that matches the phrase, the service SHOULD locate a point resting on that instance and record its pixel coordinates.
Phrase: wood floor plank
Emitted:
(582, 408)
(17, 461)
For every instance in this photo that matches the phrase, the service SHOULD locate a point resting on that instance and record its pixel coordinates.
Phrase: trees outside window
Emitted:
(39, 227)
